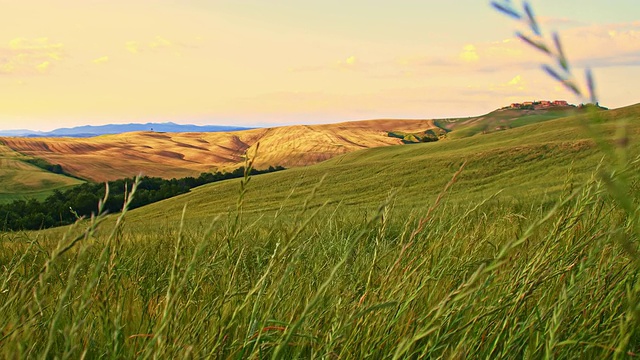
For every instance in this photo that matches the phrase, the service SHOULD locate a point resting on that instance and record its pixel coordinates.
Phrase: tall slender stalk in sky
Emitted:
(559, 67)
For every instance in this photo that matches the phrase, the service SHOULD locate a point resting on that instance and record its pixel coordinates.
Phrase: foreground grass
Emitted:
(482, 280)
(361, 256)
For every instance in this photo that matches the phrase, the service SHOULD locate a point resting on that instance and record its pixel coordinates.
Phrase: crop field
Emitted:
(21, 180)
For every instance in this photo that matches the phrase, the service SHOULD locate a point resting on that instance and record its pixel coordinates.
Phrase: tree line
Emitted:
(65, 207)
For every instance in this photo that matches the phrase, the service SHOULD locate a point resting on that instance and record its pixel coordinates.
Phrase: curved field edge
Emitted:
(22, 180)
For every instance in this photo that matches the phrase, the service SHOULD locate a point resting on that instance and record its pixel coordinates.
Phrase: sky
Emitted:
(275, 62)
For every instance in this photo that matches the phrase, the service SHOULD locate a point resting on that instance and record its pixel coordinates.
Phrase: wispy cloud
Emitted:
(516, 81)
(156, 44)
(24, 56)
(469, 54)
(517, 86)
(101, 60)
(594, 45)
(605, 45)
(471, 59)
(611, 45)
(132, 47)
(349, 63)
(44, 66)
(160, 42)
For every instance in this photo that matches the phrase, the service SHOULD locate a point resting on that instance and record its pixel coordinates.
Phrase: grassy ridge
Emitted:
(503, 119)
(530, 163)
(393, 255)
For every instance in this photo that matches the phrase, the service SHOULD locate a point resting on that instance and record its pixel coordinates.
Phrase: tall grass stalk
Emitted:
(620, 168)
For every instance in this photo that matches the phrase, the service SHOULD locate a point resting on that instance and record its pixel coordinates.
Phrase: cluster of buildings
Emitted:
(542, 104)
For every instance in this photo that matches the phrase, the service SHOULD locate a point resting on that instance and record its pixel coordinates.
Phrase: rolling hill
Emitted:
(525, 165)
(504, 119)
(170, 155)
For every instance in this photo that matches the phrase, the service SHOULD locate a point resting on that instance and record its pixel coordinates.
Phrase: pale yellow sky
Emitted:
(258, 62)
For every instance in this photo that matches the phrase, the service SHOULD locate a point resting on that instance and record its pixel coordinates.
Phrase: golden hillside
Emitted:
(187, 154)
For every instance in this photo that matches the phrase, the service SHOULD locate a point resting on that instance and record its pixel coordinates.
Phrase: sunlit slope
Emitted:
(528, 165)
(504, 119)
(186, 154)
(20, 180)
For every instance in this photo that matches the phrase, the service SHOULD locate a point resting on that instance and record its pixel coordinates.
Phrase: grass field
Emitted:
(21, 180)
(529, 251)
(503, 119)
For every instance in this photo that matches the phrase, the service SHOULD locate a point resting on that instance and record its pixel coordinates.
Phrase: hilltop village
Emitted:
(542, 104)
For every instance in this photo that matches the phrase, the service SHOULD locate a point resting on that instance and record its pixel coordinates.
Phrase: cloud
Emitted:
(517, 89)
(156, 44)
(37, 44)
(611, 45)
(160, 42)
(350, 63)
(473, 58)
(24, 56)
(101, 60)
(515, 81)
(43, 66)
(605, 45)
(469, 54)
(514, 86)
(351, 60)
(595, 46)
(132, 47)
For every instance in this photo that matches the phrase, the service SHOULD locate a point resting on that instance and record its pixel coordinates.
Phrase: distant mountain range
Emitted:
(90, 130)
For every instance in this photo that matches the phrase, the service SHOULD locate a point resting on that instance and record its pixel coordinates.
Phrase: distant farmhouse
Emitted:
(542, 104)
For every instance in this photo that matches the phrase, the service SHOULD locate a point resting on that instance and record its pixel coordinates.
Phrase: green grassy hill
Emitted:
(21, 180)
(529, 163)
(504, 119)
